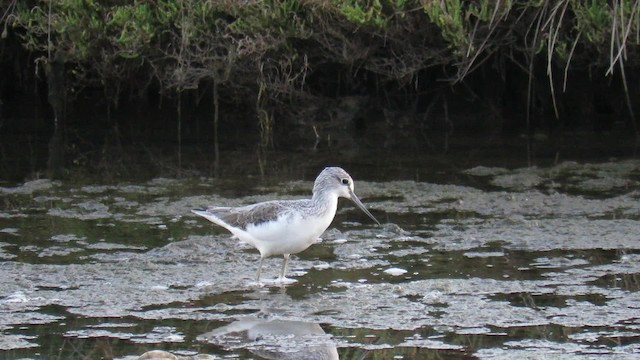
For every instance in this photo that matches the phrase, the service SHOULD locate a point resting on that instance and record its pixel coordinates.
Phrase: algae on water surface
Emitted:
(498, 271)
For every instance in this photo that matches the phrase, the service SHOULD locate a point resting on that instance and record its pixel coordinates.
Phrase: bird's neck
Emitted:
(323, 201)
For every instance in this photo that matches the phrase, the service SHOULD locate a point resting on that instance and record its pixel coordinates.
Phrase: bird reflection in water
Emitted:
(275, 339)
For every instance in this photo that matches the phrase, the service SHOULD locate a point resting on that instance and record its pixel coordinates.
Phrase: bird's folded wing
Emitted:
(241, 217)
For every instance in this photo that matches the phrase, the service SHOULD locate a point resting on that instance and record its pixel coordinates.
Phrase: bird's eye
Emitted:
(345, 181)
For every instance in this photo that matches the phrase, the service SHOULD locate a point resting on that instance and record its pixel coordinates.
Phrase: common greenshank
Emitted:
(285, 227)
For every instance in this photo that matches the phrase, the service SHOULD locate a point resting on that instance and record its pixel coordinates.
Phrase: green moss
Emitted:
(133, 28)
(593, 20)
(363, 12)
(285, 18)
(448, 15)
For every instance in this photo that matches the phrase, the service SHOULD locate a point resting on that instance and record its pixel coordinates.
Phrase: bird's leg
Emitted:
(284, 266)
(259, 269)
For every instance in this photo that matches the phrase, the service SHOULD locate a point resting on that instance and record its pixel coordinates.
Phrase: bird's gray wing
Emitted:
(256, 214)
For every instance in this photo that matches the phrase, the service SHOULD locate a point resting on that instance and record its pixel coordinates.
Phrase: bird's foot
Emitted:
(285, 280)
(256, 283)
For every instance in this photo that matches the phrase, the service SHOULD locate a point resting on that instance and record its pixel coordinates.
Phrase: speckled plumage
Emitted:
(256, 214)
(284, 227)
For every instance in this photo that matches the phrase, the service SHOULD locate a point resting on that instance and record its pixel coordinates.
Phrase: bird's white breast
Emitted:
(292, 232)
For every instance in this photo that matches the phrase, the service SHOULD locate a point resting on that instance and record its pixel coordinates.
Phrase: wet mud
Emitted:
(506, 263)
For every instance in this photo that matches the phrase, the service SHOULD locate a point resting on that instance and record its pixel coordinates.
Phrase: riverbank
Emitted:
(282, 74)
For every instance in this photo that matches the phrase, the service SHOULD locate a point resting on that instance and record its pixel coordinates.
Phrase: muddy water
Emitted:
(505, 264)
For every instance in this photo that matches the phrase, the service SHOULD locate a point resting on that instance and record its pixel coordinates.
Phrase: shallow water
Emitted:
(524, 263)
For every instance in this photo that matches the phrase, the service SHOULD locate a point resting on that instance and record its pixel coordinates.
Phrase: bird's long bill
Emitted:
(357, 201)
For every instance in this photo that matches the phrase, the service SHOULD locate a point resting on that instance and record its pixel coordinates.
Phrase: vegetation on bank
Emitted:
(180, 43)
(278, 55)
